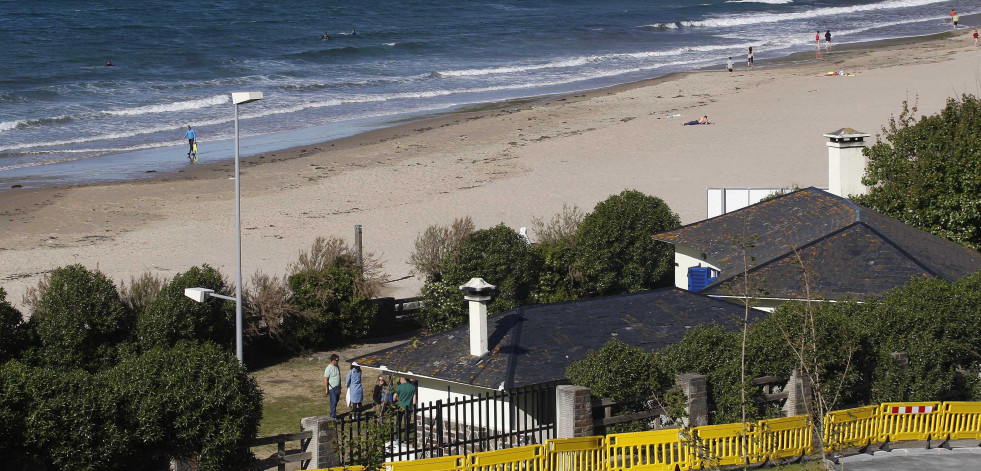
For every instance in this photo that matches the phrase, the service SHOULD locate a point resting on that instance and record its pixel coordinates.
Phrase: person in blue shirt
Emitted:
(189, 135)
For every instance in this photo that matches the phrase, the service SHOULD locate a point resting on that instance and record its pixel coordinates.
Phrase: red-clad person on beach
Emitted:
(817, 40)
(975, 37)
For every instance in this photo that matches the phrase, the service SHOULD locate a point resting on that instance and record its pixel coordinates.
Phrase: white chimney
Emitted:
(846, 164)
(478, 294)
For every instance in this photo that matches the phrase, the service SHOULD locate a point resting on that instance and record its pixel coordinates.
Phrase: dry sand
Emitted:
(506, 164)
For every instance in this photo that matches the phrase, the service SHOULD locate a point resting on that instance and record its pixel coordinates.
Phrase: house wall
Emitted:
(685, 258)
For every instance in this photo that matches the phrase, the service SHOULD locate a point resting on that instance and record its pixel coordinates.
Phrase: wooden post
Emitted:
(357, 244)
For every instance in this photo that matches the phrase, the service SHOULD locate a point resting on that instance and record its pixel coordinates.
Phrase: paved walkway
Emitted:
(915, 459)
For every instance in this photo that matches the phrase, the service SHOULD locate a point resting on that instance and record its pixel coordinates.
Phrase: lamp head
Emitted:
(240, 98)
(198, 294)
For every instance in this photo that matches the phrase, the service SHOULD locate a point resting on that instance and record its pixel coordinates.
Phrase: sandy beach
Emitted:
(499, 164)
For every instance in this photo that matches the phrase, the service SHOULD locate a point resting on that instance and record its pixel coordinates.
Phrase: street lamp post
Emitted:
(202, 294)
(239, 98)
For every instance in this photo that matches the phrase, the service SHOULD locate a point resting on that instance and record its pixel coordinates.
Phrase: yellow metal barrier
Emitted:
(340, 468)
(575, 454)
(525, 458)
(443, 463)
(723, 445)
(647, 451)
(788, 437)
(909, 421)
(851, 427)
(961, 420)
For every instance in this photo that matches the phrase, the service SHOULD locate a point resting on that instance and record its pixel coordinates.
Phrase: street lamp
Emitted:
(201, 294)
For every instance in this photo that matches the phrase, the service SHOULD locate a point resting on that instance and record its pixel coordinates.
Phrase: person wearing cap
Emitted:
(355, 389)
(332, 384)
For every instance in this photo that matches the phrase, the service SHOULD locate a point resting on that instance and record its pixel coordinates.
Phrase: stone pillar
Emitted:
(321, 446)
(798, 395)
(846, 164)
(573, 411)
(695, 388)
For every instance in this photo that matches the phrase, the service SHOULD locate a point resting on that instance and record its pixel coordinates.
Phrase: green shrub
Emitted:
(710, 350)
(502, 258)
(141, 291)
(615, 249)
(172, 317)
(189, 400)
(559, 276)
(330, 310)
(16, 333)
(619, 372)
(443, 307)
(926, 173)
(79, 319)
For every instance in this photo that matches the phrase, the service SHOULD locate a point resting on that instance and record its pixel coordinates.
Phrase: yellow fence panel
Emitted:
(575, 454)
(909, 421)
(787, 437)
(443, 463)
(851, 427)
(340, 468)
(961, 420)
(724, 445)
(647, 451)
(525, 458)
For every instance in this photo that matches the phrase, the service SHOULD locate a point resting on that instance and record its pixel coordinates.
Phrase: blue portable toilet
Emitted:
(700, 277)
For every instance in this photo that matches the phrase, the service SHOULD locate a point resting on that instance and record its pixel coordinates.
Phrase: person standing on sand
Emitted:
(729, 65)
(749, 59)
(189, 135)
(827, 40)
(975, 38)
(332, 384)
(817, 40)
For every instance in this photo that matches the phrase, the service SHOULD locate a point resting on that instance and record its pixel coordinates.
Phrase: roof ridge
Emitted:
(902, 251)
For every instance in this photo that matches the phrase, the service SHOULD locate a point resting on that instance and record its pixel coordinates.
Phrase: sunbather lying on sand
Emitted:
(702, 120)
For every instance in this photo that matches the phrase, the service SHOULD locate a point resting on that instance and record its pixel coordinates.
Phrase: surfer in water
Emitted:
(325, 37)
(108, 63)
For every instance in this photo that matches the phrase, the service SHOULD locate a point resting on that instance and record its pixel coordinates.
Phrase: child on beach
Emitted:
(749, 59)
(729, 64)
(817, 40)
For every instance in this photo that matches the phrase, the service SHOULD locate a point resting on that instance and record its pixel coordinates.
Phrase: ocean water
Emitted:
(66, 118)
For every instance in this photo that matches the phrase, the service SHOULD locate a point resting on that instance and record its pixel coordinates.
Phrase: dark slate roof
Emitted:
(535, 344)
(850, 249)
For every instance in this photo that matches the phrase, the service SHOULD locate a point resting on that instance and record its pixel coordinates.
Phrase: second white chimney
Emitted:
(478, 294)
(846, 164)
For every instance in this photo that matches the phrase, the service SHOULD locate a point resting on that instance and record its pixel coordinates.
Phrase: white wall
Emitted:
(686, 257)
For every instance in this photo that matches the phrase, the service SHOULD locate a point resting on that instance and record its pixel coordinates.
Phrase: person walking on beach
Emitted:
(827, 40)
(955, 19)
(749, 59)
(975, 38)
(729, 65)
(817, 40)
(332, 384)
(952, 15)
(189, 135)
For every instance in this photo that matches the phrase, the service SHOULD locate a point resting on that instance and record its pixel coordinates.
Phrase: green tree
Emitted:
(79, 319)
(559, 275)
(443, 307)
(172, 317)
(927, 173)
(192, 400)
(16, 333)
(502, 258)
(615, 249)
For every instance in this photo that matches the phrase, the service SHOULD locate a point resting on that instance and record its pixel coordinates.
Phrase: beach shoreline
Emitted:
(505, 163)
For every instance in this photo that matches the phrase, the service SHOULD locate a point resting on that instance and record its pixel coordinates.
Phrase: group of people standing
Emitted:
(403, 396)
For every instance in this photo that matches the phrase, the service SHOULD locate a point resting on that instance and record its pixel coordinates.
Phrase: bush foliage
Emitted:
(925, 173)
(79, 319)
(615, 250)
(172, 317)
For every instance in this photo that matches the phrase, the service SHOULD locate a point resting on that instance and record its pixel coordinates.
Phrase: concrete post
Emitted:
(846, 164)
(573, 411)
(798, 395)
(695, 388)
(321, 446)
